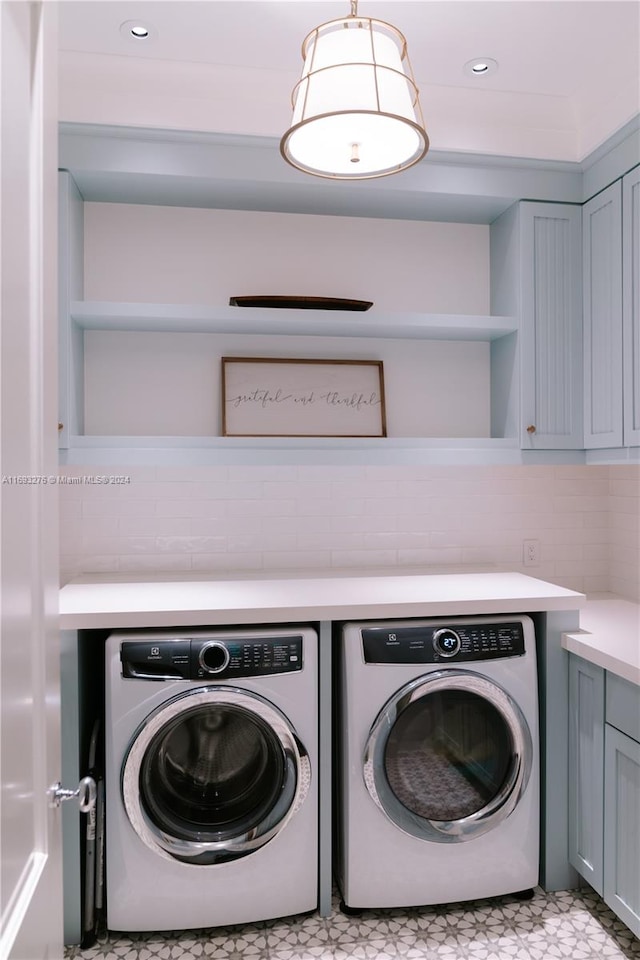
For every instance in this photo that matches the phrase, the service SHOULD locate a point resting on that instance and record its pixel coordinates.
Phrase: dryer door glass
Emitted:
(449, 756)
(213, 775)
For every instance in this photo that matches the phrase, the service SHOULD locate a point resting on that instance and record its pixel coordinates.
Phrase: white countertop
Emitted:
(111, 601)
(609, 636)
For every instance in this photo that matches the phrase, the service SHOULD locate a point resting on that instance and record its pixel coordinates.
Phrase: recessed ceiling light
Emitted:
(137, 30)
(480, 67)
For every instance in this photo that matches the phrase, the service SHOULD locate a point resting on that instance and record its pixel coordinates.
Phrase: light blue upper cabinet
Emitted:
(536, 273)
(602, 284)
(631, 305)
(551, 326)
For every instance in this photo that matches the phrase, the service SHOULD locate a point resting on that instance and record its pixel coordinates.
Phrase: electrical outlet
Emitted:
(531, 553)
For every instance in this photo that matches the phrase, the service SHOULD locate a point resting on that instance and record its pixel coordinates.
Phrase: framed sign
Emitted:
(266, 397)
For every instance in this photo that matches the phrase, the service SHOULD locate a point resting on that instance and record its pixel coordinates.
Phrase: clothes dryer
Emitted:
(438, 776)
(211, 780)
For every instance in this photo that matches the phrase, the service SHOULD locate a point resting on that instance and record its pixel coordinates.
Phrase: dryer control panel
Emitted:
(439, 643)
(210, 658)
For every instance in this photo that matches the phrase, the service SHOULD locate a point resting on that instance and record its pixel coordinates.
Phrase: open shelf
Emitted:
(140, 379)
(200, 318)
(232, 451)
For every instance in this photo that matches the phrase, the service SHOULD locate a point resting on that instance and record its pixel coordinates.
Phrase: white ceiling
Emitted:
(568, 72)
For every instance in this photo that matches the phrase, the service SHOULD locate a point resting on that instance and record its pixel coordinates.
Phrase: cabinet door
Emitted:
(551, 311)
(602, 271)
(631, 305)
(622, 827)
(586, 757)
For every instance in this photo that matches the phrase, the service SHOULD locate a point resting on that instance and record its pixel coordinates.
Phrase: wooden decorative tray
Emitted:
(301, 303)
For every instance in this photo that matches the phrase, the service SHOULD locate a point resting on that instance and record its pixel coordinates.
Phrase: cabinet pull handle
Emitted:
(60, 426)
(531, 428)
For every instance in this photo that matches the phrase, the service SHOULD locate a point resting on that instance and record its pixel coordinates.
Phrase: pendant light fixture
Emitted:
(356, 112)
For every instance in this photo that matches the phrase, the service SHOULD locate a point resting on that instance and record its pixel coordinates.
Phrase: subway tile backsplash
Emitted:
(222, 519)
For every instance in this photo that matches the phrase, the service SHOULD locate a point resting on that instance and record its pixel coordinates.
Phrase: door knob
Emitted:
(85, 794)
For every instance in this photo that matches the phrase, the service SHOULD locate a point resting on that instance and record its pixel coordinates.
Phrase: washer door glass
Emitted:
(213, 775)
(449, 756)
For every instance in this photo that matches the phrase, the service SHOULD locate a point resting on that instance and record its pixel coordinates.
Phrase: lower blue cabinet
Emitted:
(586, 770)
(604, 786)
(622, 801)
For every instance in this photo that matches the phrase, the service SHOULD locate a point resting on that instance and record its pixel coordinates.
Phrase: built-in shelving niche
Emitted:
(146, 383)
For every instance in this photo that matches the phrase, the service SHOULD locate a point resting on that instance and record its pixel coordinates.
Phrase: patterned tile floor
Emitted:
(575, 925)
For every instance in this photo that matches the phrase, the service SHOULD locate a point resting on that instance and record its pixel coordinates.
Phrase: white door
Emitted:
(31, 875)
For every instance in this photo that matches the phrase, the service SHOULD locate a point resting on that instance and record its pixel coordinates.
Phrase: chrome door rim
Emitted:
(297, 777)
(499, 807)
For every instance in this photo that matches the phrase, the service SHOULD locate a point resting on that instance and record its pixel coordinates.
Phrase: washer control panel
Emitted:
(440, 643)
(210, 658)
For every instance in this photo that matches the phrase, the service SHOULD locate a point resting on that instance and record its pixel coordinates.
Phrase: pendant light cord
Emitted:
(354, 8)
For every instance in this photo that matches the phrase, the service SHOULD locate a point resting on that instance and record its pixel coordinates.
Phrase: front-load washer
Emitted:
(211, 776)
(438, 771)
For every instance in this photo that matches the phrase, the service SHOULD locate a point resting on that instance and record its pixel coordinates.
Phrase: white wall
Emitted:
(624, 530)
(265, 518)
(190, 255)
(166, 384)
